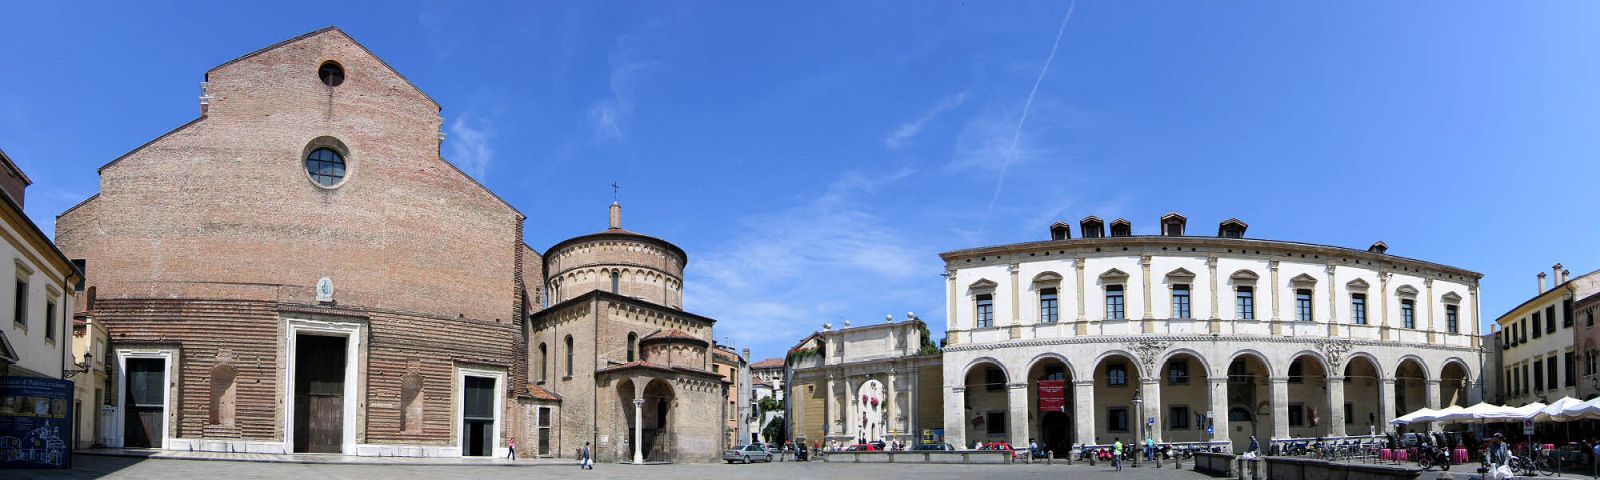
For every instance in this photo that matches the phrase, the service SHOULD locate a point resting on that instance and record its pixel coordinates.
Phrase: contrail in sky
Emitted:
(1005, 160)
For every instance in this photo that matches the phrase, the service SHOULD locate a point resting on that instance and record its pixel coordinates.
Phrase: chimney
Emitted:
(1566, 275)
(1555, 275)
(616, 216)
(746, 354)
(1541, 282)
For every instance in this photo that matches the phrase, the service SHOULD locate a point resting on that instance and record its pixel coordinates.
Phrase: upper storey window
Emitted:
(1358, 308)
(1114, 305)
(1537, 323)
(1452, 319)
(985, 310)
(1180, 301)
(1047, 306)
(325, 166)
(331, 73)
(1408, 313)
(1302, 304)
(1244, 302)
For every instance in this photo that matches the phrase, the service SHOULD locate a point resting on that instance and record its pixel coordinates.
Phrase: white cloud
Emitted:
(469, 146)
(907, 131)
(792, 270)
(608, 116)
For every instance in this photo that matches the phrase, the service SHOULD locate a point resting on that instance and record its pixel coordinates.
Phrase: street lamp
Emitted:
(1138, 406)
(82, 367)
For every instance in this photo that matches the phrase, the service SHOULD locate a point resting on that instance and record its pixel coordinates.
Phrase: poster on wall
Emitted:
(1052, 395)
(35, 422)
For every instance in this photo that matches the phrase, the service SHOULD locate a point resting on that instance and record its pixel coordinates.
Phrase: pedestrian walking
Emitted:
(1149, 449)
(585, 463)
(1116, 452)
(511, 448)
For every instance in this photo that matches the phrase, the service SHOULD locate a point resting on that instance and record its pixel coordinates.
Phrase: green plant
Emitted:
(773, 432)
(768, 404)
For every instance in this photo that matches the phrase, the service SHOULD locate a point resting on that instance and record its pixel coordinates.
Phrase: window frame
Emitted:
(1121, 379)
(1118, 309)
(983, 310)
(1244, 302)
(1452, 318)
(1408, 313)
(1304, 305)
(1181, 303)
(1177, 375)
(1113, 414)
(1177, 417)
(1049, 305)
(1358, 308)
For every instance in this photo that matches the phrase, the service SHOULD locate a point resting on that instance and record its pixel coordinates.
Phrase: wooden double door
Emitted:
(319, 393)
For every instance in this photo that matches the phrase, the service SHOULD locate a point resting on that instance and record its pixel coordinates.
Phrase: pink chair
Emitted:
(1459, 457)
(1385, 454)
(1400, 456)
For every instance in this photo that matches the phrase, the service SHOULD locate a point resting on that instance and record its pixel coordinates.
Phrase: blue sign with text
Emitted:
(35, 422)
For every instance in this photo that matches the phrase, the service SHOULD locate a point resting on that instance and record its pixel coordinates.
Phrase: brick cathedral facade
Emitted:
(298, 270)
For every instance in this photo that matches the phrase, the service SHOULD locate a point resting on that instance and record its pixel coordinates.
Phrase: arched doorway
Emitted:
(1185, 398)
(658, 416)
(1051, 406)
(1362, 397)
(871, 417)
(1410, 387)
(1248, 400)
(1116, 380)
(1309, 411)
(1453, 385)
(986, 404)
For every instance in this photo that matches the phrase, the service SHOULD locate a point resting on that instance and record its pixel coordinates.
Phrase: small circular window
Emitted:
(326, 166)
(331, 73)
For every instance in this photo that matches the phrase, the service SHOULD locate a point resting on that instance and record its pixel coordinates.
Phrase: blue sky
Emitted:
(814, 158)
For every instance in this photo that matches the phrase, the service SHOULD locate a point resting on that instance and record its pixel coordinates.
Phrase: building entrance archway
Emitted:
(1051, 406)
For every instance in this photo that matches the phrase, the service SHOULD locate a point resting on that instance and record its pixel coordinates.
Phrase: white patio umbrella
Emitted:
(1510, 414)
(1565, 409)
(1587, 410)
(1486, 412)
(1421, 415)
(1453, 413)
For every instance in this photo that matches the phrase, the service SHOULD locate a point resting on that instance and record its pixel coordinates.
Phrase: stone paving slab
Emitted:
(315, 458)
(136, 468)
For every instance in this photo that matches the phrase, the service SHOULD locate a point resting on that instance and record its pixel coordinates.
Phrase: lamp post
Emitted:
(1138, 406)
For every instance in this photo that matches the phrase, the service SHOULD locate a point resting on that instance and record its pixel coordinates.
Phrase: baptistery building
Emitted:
(1198, 338)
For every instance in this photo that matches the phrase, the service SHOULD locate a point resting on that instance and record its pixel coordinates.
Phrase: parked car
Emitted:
(862, 447)
(747, 454)
(941, 447)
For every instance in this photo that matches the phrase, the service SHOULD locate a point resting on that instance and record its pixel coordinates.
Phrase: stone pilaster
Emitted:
(1386, 397)
(1015, 328)
(1017, 413)
(1272, 289)
(1280, 408)
(1216, 305)
(955, 421)
(1336, 406)
(1428, 285)
(1082, 326)
(1149, 312)
(951, 337)
(1150, 390)
(1333, 303)
(1219, 410)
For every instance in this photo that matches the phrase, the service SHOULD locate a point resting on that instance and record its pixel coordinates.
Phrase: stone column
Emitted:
(892, 424)
(831, 407)
(1017, 413)
(1272, 289)
(638, 431)
(851, 408)
(1149, 313)
(955, 417)
(1219, 410)
(1280, 408)
(1386, 397)
(1472, 294)
(1432, 392)
(1083, 413)
(1336, 406)
(1150, 390)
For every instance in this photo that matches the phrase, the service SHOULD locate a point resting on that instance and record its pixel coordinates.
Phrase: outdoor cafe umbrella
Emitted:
(1565, 409)
(1421, 415)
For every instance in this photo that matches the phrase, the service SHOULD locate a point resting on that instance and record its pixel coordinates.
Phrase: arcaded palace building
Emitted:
(1198, 338)
(298, 270)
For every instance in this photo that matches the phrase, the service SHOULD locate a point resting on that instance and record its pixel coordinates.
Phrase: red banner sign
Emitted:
(1052, 395)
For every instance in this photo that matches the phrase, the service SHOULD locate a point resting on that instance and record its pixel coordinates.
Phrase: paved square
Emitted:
(87, 466)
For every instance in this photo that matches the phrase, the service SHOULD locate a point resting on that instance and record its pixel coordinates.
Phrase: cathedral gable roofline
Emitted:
(313, 33)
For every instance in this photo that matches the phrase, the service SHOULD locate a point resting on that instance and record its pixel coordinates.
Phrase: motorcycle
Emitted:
(1430, 455)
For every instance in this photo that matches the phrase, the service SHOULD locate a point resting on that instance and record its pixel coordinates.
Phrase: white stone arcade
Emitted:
(1220, 338)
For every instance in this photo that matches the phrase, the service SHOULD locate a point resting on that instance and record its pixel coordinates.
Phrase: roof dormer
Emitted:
(1092, 227)
(1378, 247)
(1231, 228)
(1060, 231)
(1172, 224)
(1121, 228)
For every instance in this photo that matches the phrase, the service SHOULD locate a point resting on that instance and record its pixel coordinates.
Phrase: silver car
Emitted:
(747, 454)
